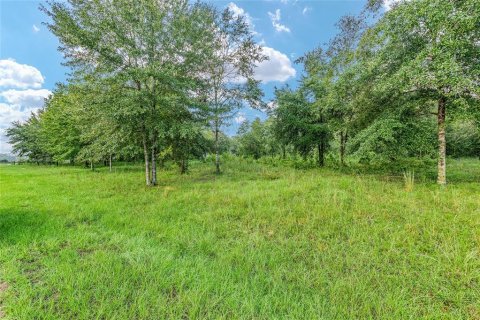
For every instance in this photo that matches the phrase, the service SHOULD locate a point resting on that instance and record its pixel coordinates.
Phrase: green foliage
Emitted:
(251, 139)
(154, 76)
(229, 79)
(464, 139)
(26, 139)
(376, 86)
(187, 141)
(391, 139)
(151, 78)
(296, 122)
(141, 63)
(61, 127)
(147, 75)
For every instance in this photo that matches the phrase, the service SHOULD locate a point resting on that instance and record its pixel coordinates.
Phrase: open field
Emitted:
(257, 242)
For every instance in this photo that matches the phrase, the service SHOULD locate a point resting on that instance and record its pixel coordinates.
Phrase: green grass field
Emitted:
(258, 242)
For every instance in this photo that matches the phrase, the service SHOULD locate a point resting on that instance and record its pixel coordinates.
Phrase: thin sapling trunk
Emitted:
(147, 165)
(442, 143)
(217, 152)
(154, 168)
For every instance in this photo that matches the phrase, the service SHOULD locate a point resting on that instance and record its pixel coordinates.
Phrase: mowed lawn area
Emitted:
(258, 242)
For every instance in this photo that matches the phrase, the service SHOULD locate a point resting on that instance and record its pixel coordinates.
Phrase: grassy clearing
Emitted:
(257, 242)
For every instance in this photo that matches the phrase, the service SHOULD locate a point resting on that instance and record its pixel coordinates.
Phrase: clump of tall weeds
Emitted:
(409, 179)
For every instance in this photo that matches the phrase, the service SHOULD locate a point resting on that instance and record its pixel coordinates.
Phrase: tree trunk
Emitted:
(154, 168)
(183, 166)
(442, 143)
(217, 125)
(343, 141)
(321, 154)
(217, 152)
(110, 162)
(91, 165)
(147, 165)
(284, 155)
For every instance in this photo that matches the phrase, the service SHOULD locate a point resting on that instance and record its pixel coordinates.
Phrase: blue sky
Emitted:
(30, 64)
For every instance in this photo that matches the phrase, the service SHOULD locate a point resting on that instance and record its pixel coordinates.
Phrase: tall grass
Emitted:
(409, 179)
(257, 242)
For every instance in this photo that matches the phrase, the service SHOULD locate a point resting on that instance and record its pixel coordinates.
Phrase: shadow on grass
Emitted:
(23, 225)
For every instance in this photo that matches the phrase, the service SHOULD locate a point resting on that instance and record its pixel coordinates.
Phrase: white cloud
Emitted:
(23, 96)
(389, 4)
(16, 75)
(240, 118)
(8, 114)
(277, 68)
(275, 17)
(35, 28)
(18, 107)
(237, 11)
(272, 105)
(306, 10)
(5, 147)
(25, 99)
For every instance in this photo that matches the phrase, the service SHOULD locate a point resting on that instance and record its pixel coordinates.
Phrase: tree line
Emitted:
(161, 79)
(147, 76)
(384, 87)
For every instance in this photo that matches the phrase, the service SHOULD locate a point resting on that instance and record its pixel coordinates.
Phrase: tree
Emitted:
(426, 51)
(61, 128)
(251, 139)
(230, 81)
(26, 139)
(298, 123)
(341, 81)
(464, 137)
(184, 136)
(141, 57)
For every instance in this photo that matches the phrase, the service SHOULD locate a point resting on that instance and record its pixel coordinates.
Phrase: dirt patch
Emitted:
(172, 294)
(473, 311)
(85, 251)
(31, 267)
(3, 288)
